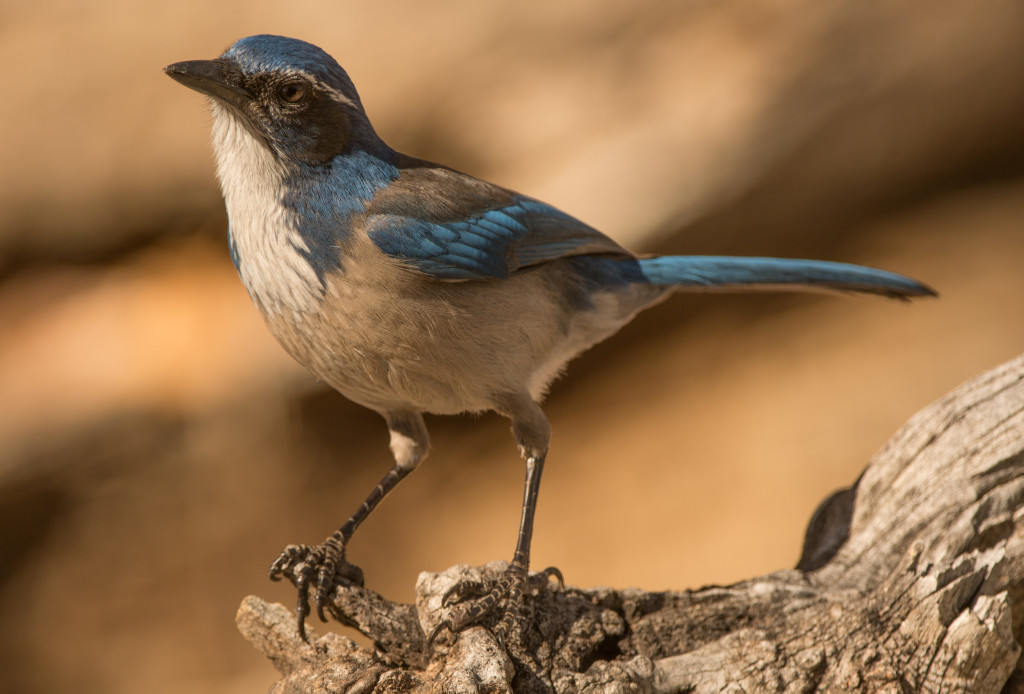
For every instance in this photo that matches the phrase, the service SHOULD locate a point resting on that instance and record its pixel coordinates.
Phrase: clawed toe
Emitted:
(299, 564)
(462, 591)
(288, 564)
(472, 601)
(539, 580)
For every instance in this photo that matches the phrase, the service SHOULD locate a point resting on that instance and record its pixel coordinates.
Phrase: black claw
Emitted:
(444, 624)
(321, 603)
(542, 578)
(301, 612)
(499, 634)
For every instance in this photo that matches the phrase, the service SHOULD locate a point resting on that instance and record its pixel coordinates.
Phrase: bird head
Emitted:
(291, 96)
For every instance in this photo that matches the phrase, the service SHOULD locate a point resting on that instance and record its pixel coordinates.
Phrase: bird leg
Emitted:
(472, 601)
(299, 563)
(327, 560)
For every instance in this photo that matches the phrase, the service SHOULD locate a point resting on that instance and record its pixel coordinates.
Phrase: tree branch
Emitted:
(911, 580)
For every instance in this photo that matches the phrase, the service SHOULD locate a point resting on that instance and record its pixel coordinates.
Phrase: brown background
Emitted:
(157, 449)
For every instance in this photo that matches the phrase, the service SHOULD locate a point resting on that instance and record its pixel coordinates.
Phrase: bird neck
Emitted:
(289, 223)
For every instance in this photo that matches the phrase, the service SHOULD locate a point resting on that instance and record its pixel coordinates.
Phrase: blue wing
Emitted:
(454, 227)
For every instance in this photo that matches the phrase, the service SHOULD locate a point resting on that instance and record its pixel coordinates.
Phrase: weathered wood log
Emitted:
(911, 580)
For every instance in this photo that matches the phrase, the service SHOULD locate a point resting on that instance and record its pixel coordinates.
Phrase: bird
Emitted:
(411, 288)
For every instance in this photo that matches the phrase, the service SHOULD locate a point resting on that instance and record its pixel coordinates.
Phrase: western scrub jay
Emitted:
(410, 287)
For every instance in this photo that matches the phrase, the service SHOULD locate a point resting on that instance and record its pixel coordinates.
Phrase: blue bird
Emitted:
(410, 287)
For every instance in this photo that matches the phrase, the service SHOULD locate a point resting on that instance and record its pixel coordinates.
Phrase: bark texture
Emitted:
(912, 580)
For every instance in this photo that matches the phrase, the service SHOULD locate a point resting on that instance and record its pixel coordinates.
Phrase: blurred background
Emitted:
(157, 449)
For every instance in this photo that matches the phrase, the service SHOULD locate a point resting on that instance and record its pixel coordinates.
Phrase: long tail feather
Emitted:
(717, 273)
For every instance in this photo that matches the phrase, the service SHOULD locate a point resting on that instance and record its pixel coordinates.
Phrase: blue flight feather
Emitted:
(487, 243)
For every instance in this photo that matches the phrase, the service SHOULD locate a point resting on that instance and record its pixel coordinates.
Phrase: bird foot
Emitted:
(300, 563)
(471, 601)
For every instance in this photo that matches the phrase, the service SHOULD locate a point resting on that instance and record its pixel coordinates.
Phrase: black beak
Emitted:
(218, 78)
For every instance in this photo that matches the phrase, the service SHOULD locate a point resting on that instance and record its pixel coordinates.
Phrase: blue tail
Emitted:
(710, 273)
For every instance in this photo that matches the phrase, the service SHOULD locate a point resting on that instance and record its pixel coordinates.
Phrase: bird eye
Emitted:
(293, 92)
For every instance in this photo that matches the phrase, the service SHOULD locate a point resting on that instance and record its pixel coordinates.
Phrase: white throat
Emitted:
(267, 243)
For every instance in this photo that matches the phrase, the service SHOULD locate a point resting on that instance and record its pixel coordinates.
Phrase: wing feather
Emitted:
(461, 228)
